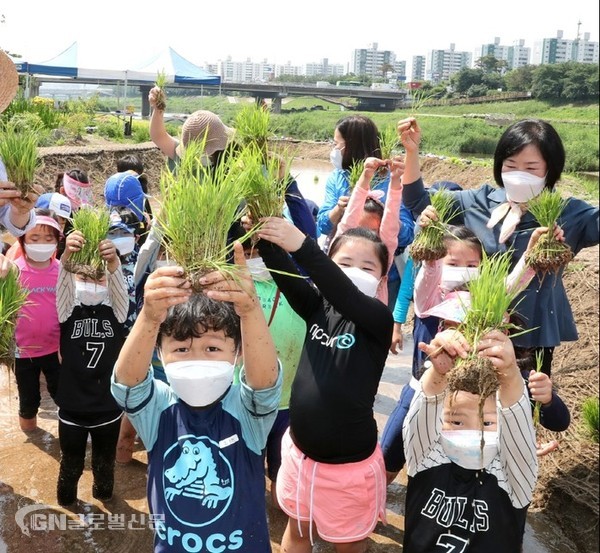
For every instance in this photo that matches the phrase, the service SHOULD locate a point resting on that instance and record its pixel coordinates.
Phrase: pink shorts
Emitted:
(344, 501)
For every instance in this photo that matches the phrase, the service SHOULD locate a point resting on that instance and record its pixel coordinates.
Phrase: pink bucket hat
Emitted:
(205, 123)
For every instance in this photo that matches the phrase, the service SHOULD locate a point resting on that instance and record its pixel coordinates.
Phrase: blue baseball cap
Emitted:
(124, 189)
(61, 205)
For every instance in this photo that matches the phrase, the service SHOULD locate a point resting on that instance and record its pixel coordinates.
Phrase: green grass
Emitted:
(590, 418)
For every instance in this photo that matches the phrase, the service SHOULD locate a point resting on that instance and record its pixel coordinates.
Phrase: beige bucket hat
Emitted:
(201, 122)
(9, 80)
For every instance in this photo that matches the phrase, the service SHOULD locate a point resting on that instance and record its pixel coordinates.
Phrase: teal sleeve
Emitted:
(405, 294)
(143, 404)
(256, 410)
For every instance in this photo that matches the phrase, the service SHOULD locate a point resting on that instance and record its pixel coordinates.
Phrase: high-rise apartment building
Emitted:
(560, 50)
(371, 61)
(418, 69)
(515, 56)
(324, 69)
(442, 64)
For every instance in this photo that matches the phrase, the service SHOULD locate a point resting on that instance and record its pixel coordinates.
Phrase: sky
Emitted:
(124, 34)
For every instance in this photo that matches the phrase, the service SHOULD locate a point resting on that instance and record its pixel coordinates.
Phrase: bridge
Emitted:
(368, 99)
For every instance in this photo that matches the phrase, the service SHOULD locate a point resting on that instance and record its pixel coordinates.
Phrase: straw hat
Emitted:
(9, 80)
(204, 122)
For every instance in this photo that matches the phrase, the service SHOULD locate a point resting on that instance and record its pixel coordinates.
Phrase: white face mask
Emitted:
(90, 293)
(40, 252)
(521, 186)
(199, 382)
(365, 282)
(163, 263)
(124, 244)
(258, 269)
(463, 447)
(455, 277)
(336, 157)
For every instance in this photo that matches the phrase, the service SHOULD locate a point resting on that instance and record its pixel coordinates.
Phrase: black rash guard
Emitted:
(344, 354)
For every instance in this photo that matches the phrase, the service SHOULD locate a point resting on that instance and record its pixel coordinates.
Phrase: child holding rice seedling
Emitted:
(470, 479)
(37, 332)
(356, 138)
(92, 308)
(435, 281)
(529, 157)
(332, 478)
(366, 210)
(204, 435)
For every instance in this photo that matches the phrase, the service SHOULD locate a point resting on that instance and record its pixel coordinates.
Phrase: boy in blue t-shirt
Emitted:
(204, 436)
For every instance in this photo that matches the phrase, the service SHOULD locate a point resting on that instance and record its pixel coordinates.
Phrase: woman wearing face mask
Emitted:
(37, 330)
(91, 314)
(529, 157)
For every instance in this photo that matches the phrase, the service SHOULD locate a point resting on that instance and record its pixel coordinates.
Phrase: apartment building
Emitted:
(442, 64)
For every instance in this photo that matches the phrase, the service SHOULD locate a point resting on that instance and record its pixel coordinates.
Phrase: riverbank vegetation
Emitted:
(455, 131)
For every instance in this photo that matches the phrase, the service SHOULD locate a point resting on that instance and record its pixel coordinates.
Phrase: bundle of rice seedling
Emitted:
(252, 127)
(93, 223)
(388, 144)
(590, 418)
(428, 244)
(355, 172)
(12, 298)
(265, 187)
(19, 151)
(548, 254)
(490, 302)
(161, 100)
(197, 208)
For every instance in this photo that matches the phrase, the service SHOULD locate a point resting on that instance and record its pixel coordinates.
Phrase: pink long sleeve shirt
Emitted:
(388, 230)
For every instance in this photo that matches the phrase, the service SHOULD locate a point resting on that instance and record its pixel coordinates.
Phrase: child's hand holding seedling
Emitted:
(540, 387)
(441, 353)
(237, 288)
(370, 167)
(108, 252)
(73, 243)
(497, 347)
(281, 232)
(165, 287)
(428, 216)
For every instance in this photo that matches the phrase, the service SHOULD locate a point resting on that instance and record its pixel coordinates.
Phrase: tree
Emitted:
(491, 64)
(520, 79)
(465, 79)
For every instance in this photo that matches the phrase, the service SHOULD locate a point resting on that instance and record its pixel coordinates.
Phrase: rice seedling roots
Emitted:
(161, 101)
(422, 252)
(549, 257)
(95, 273)
(475, 375)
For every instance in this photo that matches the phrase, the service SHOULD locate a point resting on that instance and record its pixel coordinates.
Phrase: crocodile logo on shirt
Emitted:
(198, 479)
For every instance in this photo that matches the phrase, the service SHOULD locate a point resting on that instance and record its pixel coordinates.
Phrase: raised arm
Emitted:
(158, 132)
(164, 288)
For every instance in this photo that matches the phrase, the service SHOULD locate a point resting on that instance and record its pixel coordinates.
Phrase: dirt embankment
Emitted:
(568, 482)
